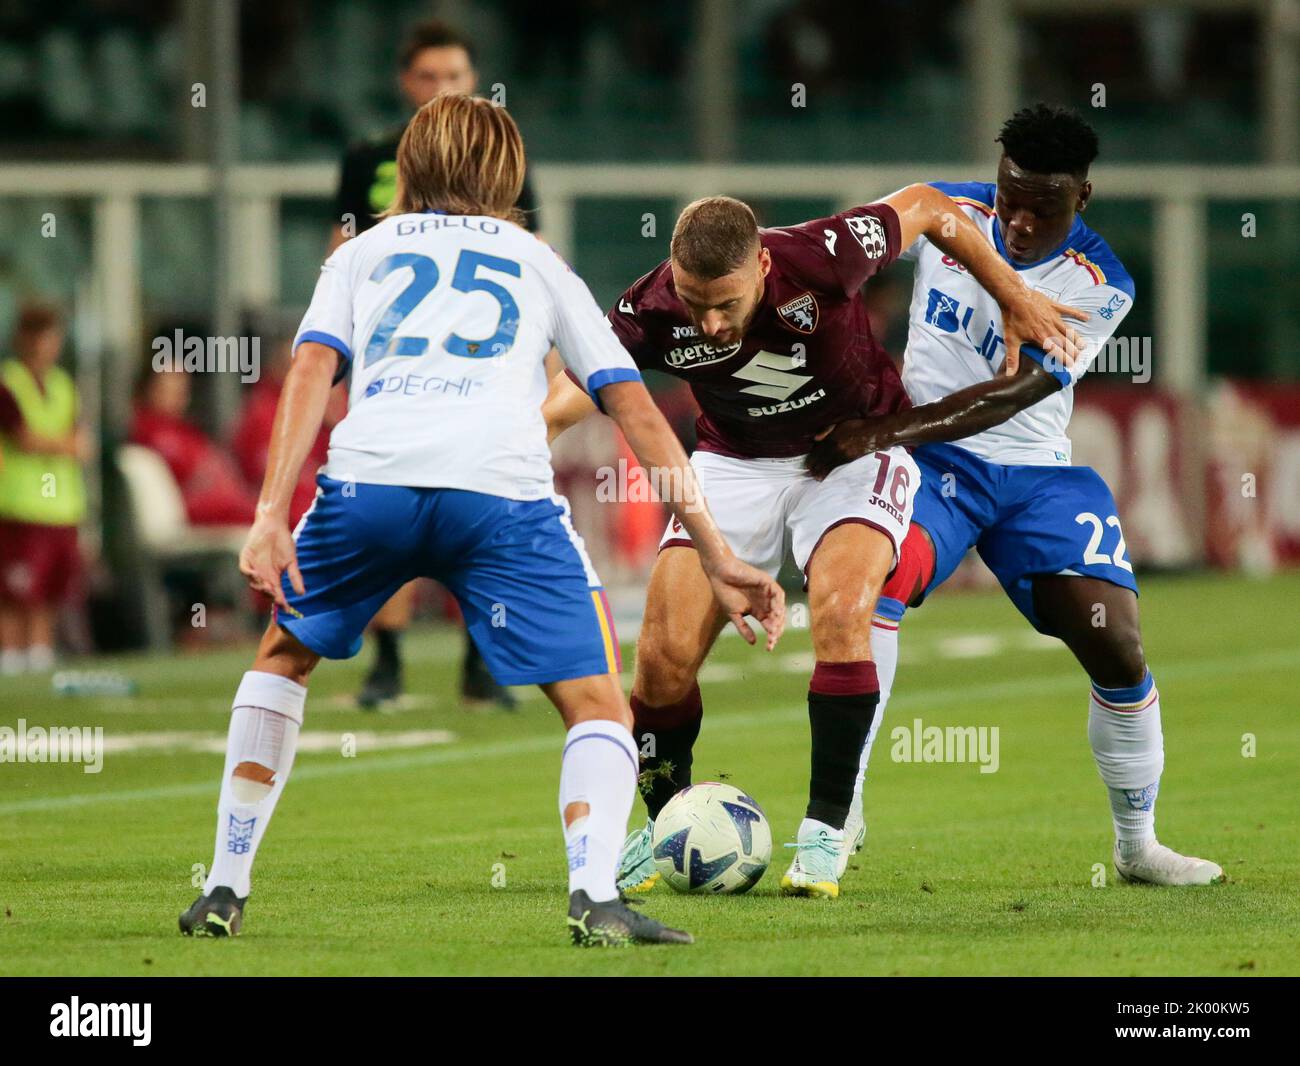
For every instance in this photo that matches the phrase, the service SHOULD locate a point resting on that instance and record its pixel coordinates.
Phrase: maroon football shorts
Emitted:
(38, 564)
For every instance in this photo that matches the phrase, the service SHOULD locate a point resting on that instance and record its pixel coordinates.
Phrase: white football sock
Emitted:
(264, 724)
(598, 768)
(13, 661)
(884, 652)
(1127, 743)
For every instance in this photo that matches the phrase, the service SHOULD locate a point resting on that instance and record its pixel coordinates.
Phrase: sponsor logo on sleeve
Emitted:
(801, 313)
(869, 232)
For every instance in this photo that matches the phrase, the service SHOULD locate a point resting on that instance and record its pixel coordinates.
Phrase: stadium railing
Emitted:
(1180, 197)
(1179, 194)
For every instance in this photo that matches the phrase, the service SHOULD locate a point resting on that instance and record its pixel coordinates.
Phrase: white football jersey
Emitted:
(444, 322)
(955, 328)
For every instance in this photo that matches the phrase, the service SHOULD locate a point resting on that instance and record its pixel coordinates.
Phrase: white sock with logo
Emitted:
(598, 768)
(264, 724)
(1128, 746)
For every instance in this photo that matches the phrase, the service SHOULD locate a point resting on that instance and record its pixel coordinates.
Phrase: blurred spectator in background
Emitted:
(42, 497)
(214, 491)
(252, 436)
(435, 58)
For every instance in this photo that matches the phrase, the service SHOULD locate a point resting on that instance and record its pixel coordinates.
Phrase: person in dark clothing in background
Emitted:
(434, 59)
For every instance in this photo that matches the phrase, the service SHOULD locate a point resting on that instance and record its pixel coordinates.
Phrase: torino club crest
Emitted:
(800, 313)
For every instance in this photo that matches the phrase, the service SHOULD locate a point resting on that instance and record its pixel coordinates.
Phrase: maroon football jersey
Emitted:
(808, 358)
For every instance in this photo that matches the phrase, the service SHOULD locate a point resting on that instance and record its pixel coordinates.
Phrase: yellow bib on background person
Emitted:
(44, 490)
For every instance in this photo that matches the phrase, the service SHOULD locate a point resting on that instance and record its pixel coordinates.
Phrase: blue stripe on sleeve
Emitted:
(601, 378)
(1042, 359)
(976, 190)
(330, 341)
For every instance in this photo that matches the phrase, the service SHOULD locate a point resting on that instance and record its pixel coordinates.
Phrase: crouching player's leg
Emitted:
(952, 507)
(535, 608)
(1058, 551)
(349, 554)
(912, 575)
(1098, 620)
(681, 622)
(264, 722)
(598, 774)
(846, 533)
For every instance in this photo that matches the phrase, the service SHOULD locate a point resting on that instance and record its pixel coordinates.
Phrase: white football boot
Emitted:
(855, 835)
(815, 870)
(636, 863)
(1156, 864)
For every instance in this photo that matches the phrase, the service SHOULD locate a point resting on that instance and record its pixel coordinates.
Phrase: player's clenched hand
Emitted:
(844, 442)
(268, 552)
(1037, 319)
(742, 589)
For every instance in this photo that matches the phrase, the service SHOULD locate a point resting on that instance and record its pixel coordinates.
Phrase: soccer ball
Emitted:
(711, 838)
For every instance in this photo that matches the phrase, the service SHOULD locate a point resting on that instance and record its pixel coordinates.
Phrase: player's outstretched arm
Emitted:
(1028, 317)
(740, 588)
(269, 550)
(565, 405)
(961, 414)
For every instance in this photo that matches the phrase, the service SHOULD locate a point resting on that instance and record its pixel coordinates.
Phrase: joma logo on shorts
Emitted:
(880, 501)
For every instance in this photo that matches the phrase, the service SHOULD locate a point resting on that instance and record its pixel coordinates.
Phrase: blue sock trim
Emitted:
(1134, 694)
(602, 736)
(890, 608)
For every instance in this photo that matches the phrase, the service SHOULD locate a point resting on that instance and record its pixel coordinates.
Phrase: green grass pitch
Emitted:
(446, 858)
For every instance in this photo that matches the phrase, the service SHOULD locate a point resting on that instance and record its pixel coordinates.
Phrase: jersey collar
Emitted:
(1070, 238)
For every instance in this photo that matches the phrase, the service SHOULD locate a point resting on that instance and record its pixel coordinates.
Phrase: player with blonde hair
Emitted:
(444, 312)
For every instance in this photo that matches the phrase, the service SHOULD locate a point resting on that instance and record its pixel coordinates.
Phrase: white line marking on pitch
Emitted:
(1185, 670)
(313, 741)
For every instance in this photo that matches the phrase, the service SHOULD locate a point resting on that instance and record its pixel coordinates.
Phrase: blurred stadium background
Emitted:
(173, 165)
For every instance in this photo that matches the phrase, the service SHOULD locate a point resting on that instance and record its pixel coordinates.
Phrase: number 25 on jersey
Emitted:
(385, 340)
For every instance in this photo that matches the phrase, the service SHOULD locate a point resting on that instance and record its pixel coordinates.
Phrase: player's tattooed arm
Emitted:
(955, 417)
(565, 405)
(269, 550)
(1028, 317)
(739, 588)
